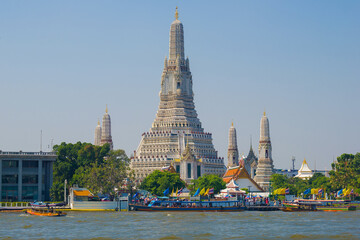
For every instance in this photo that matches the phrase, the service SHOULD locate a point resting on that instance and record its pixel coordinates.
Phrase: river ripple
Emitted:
(155, 225)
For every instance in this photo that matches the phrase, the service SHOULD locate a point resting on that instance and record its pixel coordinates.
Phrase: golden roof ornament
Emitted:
(264, 112)
(176, 14)
(106, 110)
(98, 122)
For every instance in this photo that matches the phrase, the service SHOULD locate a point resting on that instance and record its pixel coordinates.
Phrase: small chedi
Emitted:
(265, 167)
(103, 134)
(176, 136)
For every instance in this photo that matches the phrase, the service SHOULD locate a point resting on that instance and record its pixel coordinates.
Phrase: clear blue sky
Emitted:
(61, 62)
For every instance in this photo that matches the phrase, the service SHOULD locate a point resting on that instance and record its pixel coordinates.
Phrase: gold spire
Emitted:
(98, 122)
(176, 14)
(106, 110)
(232, 124)
(304, 162)
(264, 112)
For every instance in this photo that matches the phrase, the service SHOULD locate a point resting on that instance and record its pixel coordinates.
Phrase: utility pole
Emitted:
(293, 163)
(65, 191)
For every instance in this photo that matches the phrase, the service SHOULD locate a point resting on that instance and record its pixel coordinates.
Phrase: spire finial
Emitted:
(176, 13)
(264, 112)
(106, 110)
(98, 122)
(250, 141)
(232, 123)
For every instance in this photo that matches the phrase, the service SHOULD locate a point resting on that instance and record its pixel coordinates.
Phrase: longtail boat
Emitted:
(190, 206)
(45, 212)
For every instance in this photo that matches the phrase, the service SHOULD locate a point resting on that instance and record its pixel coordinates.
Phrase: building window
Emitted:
(10, 164)
(266, 153)
(198, 171)
(29, 193)
(30, 179)
(10, 178)
(30, 164)
(189, 170)
(178, 168)
(9, 193)
(178, 85)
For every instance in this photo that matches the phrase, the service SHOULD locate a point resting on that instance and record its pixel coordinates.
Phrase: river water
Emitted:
(168, 225)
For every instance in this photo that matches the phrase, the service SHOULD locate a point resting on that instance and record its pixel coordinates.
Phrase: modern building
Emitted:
(176, 124)
(103, 134)
(26, 176)
(265, 167)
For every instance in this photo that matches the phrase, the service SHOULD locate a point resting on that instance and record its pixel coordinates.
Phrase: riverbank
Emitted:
(143, 225)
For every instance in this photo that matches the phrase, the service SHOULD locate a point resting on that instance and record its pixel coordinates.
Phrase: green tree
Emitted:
(346, 172)
(208, 181)
(86, 165)
(158, 181)
(110, 174)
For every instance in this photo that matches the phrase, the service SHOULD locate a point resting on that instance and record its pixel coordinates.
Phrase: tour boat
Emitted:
(190, 206)
(45, 212)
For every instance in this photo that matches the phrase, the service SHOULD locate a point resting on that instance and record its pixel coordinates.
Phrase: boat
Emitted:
(42, 204)
(45, 212)
(296, 207)
(189, 206)
(317, 205)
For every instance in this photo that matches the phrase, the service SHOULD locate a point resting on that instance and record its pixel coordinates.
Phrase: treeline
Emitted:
(158, 181)
(345, 173)
(94, 167)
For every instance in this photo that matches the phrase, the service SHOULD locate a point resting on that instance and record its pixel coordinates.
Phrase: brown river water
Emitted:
(169, 225)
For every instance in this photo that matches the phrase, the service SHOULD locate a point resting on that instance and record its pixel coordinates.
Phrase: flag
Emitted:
(202, 191)
(211, 191)
(287, 191)
(352, 191)
(135, 195)
(166, 192)
(207, 192)
(172, 193)
(197, 192)
(307, 191)
(179, 192)
(344, 192)
(320, 191)
(339, 192)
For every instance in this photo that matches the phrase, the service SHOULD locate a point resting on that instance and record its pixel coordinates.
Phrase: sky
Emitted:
(61, 62)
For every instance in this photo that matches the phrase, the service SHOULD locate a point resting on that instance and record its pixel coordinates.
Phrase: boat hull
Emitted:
(185, 209)
(45, 213)
(337, 209)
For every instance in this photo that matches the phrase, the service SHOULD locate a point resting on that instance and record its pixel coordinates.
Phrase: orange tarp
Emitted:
(83, 193)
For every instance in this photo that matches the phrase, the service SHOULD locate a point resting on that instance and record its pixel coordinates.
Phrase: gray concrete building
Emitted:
(26, 176)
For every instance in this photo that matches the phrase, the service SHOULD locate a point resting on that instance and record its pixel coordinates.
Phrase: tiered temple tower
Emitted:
(176, 124)
(106, 130)
(233, 153)
(97, 134)
(265, 165)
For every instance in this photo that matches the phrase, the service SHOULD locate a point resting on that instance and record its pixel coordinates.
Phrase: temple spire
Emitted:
(176, 14)
(106, 110)
(176, 39)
